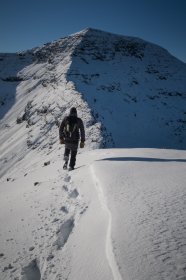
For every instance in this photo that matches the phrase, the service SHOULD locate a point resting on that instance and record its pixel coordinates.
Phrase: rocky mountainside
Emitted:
(130, 93)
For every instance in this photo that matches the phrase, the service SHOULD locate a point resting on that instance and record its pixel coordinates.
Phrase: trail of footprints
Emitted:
(64, 220)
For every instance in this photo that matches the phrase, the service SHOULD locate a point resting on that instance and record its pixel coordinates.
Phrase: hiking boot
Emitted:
(65, 165)
(66, 158)
(71, 168)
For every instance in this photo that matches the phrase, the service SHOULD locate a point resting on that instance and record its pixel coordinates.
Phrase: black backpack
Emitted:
(71, 127)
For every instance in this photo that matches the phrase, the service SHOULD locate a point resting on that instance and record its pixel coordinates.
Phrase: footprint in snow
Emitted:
(67, 178)
(64, 209)
(50, 257)
(31, 248)
(65, 188)
(64, 233)
(55, 220)
(31, 272)
(7, 267)
(74, 194)
(84, 210)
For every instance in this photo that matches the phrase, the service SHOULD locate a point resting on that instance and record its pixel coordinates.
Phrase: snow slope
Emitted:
(35, 96)
(136, 89)
(93, 70)
(121, 213)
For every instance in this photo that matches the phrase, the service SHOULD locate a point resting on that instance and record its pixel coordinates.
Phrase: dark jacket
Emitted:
(76, 136)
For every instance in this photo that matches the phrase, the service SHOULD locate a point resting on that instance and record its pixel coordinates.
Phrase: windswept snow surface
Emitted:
(121, 214)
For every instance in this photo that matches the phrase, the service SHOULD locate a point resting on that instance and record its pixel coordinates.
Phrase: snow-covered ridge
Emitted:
(121, 213)
(136, 89)
(35, 96)
(130, 93)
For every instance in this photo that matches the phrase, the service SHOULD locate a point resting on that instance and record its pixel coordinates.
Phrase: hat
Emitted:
(73, 111)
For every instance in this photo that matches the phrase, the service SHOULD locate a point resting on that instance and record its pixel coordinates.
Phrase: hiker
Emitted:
(70, 136)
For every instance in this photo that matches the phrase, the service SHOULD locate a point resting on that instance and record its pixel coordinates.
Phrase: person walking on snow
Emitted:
(70, 136)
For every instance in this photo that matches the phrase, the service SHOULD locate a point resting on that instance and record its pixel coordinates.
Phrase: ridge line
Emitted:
(108, 244)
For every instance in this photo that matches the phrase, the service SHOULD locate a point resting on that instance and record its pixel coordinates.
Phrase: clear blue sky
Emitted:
(25, 24)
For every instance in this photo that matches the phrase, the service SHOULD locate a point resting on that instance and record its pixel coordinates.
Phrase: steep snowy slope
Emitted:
(136, 89)
(35, 96)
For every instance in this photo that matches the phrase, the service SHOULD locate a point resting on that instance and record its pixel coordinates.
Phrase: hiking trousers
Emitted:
(71, 151)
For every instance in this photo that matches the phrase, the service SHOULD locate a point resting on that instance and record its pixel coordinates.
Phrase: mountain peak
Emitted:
(129, 92)
(102, 33)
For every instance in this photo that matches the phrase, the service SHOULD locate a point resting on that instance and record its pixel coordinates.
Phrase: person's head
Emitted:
(73, 112)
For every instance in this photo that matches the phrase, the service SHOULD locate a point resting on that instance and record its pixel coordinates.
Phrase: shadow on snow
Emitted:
(142, 159)
(10, 66)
